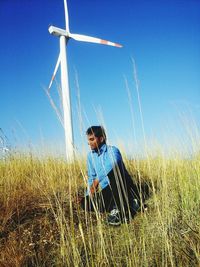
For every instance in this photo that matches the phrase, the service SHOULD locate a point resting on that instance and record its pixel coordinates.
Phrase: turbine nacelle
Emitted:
(58, 31)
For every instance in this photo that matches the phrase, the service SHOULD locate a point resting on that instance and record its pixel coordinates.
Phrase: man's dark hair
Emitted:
(98, 131)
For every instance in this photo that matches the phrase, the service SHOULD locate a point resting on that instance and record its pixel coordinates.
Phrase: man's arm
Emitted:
(93, 182)
(94, 186)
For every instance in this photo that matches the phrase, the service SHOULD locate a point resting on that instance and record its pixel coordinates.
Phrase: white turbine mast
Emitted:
(65, 35)
(4, 144)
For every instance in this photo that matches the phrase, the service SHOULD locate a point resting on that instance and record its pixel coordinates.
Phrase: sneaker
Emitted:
(114, 217)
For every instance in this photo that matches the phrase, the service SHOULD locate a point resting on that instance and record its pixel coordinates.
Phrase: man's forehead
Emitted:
(90, 136)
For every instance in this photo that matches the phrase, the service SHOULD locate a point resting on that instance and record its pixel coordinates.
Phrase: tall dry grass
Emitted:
(41, 224)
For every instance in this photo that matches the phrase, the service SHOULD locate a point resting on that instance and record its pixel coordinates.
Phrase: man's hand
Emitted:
(79, 199)
(94, 187)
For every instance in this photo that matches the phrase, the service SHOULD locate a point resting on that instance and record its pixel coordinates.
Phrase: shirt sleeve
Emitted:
(113, 159)
(91, 171)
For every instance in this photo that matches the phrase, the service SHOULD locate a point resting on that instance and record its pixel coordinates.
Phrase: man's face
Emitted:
(94, 142)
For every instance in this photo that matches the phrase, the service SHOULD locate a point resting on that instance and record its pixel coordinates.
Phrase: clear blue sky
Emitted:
(163, 37)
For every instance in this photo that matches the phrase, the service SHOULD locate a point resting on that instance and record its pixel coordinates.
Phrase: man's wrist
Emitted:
(94, 186)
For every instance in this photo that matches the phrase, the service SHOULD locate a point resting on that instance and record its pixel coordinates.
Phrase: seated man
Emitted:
(110, 187)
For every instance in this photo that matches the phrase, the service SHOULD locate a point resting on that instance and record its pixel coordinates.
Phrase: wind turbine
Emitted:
(4, 145)
(65, 35)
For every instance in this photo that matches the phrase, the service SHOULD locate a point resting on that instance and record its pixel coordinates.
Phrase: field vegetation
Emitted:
(42, 225)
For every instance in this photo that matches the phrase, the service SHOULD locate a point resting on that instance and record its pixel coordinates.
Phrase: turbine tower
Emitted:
(65, 35)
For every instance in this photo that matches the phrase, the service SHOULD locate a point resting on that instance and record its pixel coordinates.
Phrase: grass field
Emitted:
(41, 224)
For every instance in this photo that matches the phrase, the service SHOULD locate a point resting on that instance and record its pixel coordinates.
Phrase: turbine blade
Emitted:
(54, 73)
(66, 16)
(85, 38)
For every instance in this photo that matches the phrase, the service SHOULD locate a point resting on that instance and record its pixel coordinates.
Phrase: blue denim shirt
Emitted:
(100, 163)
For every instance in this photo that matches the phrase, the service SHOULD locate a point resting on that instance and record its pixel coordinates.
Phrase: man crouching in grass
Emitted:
(110, 187)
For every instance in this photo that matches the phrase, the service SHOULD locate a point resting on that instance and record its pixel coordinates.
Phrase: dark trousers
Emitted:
(119, 193)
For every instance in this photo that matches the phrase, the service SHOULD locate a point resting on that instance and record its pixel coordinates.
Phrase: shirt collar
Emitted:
(102, 149)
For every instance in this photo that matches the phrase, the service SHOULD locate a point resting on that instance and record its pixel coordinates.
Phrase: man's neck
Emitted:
(97, 150)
